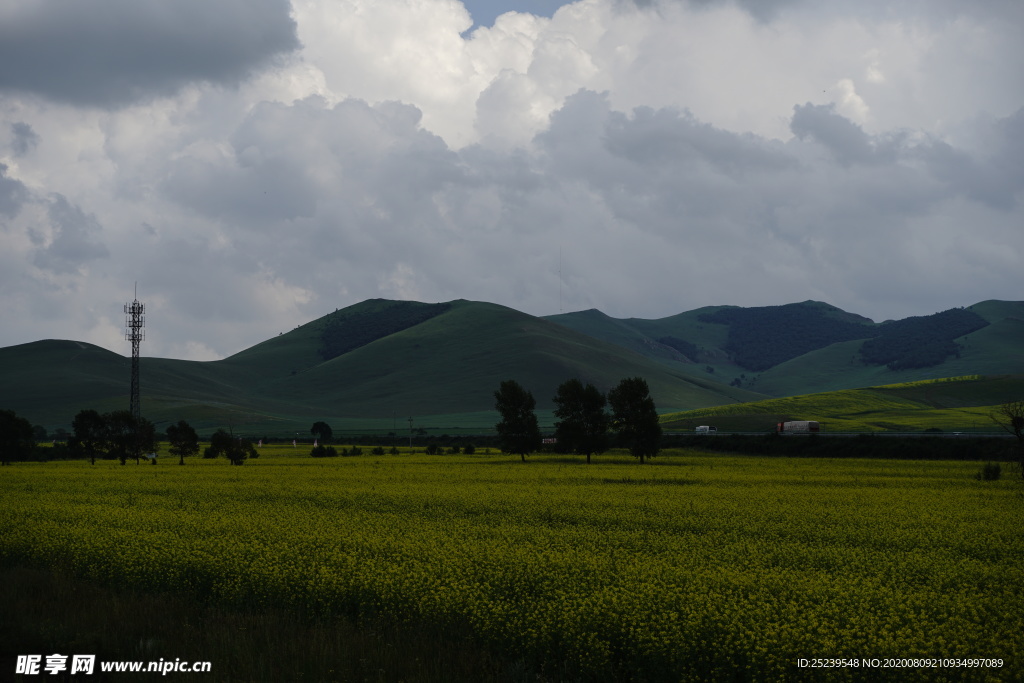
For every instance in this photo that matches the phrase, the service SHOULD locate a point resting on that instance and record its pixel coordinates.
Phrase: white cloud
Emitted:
(677, 155)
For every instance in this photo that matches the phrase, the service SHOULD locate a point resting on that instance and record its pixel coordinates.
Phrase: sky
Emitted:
(251, 165)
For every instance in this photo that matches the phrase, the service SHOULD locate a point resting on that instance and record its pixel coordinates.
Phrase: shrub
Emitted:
(454, 450)
(469, 449)
(394, 450)
(324, 452)
(378, 450)
(434, 449)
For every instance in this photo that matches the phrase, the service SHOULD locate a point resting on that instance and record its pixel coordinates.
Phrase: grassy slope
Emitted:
(639, 335)
(959, 404)
(448, 365)
(995, 349)
(453, 363)
(43, 379)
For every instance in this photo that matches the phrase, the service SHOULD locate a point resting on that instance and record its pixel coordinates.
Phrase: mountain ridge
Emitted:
(411, 358)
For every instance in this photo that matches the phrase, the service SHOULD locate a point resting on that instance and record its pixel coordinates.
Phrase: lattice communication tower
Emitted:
(134, 321)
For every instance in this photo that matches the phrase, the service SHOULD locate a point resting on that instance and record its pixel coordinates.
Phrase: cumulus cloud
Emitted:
(115, 52)
(641, 158)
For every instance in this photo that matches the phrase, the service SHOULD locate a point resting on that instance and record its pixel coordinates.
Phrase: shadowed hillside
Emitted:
(386, 360)
(812, 346)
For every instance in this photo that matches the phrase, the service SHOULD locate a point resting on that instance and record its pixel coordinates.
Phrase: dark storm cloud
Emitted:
(352, 157)
(115, 52)
(23, 138)
(763, 10)
(934, 10)
(12, 193)
(661, 136)
(845, 139)
(72, 242)
(995, 178)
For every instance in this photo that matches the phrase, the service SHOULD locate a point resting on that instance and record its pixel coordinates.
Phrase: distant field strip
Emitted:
(693, 568)
(946, 403)
(845, 402)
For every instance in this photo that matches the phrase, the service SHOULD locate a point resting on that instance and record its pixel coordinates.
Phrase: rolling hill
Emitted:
(375, 364)
(421, 361)
(813, 347)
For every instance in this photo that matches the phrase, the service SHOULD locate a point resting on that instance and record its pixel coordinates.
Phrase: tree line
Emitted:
(584, 427)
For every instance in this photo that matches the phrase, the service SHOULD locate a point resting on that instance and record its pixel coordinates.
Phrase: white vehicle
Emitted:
(799, 427)
(705, 429)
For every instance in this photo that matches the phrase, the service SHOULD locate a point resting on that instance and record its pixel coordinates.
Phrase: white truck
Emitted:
(705, 429)
(798, 427)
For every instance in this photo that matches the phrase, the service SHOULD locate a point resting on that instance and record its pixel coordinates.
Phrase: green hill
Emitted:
(949, 404)
(813, 347)
(374, 364)
(398, 359)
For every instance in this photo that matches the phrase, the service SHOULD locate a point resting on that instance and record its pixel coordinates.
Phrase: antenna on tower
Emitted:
(134, 321)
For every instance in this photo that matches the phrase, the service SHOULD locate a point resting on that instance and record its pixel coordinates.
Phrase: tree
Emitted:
(1010, 416)
(322, 431)
(90, 435)
(121, 435)
(235, 449)
(16, 442)
(125, 437)
(635, 418)
(518, 431)
(183, 439)
(583, 425)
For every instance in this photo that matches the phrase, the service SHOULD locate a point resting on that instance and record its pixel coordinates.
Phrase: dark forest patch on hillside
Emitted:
(763, 337)
(343, 334)
(684, 347)
(921, 341)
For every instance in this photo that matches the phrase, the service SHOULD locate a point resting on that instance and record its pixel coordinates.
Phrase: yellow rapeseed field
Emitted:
(691, 567)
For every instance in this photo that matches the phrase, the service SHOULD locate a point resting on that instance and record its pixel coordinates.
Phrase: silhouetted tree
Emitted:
(1010, 416)
(236, 449)
(122, 438)
(183, 439)
(322, 431)
(90, 434)
(16, 442)
(635, 418)
(518, 431)
(583, 425)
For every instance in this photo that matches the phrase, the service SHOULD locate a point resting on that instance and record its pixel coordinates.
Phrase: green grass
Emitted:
(950, 404)
(694, 567)
(992, 350)
(445, 367)
(995, 349)
(443, 373)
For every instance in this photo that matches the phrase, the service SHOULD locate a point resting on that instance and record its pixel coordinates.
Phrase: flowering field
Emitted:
(692, 567)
